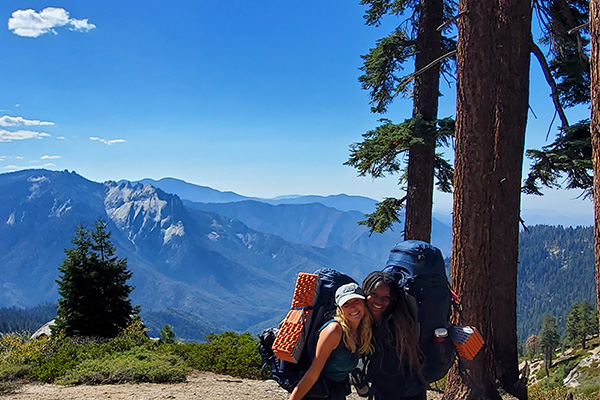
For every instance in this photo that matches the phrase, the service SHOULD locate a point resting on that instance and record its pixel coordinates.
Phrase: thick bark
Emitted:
(420, 174)
(492, 103)
(595, 131)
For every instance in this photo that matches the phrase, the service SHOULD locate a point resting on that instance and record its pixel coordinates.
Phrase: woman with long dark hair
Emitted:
(342, 340)
(395, 368)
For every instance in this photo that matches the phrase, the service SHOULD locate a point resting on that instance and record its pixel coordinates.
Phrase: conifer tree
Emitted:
(385, 148)
(594, 17)
(94, 295)
(581, 323)
(493, 60)
(566, 32)
(549, 339)
(167, 334)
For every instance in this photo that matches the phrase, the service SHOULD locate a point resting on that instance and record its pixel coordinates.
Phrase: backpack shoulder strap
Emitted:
(411, 302)
(413, 308)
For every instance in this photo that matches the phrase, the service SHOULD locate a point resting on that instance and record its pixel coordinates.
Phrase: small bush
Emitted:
(135, 365)
(537, 392)
(7, 387)
(13, 371)
(228, 353)
(130, 357)
(55, 363)
(35, 359)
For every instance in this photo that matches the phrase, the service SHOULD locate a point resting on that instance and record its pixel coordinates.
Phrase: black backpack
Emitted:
(419, 269)
(288, 374)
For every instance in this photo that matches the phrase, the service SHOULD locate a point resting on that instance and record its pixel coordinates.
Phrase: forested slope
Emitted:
(556, 268)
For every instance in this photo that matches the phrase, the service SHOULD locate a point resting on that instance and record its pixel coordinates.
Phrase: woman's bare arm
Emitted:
(329, 339)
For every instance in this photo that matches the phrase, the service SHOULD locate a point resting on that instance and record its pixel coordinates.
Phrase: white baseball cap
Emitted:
(347, 292)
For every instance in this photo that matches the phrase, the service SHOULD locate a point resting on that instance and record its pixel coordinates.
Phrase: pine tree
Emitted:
(549, 339)
(94, 295)
(581, 323)
(493, 59)
(384, 149)
(566, 32)
(167, 334)
(594, 17)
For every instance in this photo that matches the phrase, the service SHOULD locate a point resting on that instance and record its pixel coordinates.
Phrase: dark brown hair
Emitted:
(403, 325)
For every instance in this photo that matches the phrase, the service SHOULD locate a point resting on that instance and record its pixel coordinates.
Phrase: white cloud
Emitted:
(29, 23)
(45, 157)
(81, 25)
(107, 142)
(60, 137)
(48, 165)
(113, 141)
(17, 121)
(2, 158)
(11, 167)
(6, 136)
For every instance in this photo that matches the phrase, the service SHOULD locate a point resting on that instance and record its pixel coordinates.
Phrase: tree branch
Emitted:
(548, 75)
(577, 28)
(568, 14)
(430, 65)
(452, 20)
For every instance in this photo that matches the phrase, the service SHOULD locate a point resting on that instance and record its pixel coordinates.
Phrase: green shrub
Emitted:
(10, 371)
(227, 353)
(39, 359)
(589, 380)
(136, 365)
(7, 387)
(167, 335)
(537, 392)
(54, 362)
(130, 357)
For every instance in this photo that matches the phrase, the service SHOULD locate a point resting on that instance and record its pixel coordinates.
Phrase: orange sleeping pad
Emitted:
(467, 340)
(291, 338)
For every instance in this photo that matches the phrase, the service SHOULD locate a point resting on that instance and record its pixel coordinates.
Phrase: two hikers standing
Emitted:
(374, 322)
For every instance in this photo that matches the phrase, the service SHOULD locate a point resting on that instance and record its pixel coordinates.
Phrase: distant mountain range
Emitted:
(224, 266)
(202, 260)
(204, 194)
(320, 221)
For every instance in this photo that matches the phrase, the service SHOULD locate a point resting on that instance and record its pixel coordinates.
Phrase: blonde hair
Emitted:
(363, 344)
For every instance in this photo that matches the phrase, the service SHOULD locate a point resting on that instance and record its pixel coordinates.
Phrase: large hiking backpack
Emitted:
(419, 269)
(288, 374)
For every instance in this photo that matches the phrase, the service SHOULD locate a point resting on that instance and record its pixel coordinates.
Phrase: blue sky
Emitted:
(258, 97)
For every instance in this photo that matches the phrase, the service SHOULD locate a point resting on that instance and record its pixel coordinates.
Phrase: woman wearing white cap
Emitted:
(342, 340)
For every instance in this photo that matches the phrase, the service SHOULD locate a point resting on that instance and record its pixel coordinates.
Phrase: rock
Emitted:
(44, 330)
(593, 360)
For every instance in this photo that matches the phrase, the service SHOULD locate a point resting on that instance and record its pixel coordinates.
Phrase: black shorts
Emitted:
(337, 390)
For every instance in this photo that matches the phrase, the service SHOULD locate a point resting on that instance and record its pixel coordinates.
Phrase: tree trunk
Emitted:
(419, 201)
(594, 20)
(492, 104)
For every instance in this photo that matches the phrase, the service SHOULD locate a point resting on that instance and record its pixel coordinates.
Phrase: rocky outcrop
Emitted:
(590, 362)
(44, 330)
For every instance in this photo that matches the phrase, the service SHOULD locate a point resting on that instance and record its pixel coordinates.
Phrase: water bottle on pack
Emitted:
(443, 345)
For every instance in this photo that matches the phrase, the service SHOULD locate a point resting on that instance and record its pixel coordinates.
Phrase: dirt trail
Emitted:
(199, 385)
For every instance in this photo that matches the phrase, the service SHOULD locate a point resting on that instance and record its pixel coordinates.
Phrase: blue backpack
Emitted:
(419, 269)
(288, 374)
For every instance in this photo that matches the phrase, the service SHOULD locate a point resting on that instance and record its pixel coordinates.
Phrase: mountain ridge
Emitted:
(223, 266)
(197, 261)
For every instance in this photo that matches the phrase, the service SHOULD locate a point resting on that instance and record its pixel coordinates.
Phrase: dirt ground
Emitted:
(199, 385)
